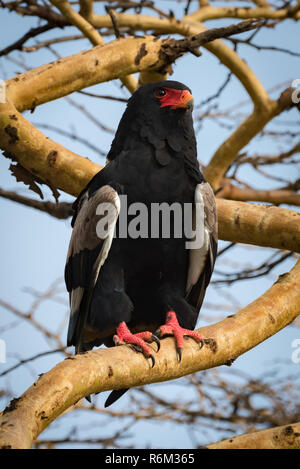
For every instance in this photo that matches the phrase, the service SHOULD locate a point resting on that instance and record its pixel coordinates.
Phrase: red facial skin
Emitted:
(175, 98)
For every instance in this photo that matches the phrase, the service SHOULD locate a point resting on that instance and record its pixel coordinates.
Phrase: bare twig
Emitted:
(61, 210)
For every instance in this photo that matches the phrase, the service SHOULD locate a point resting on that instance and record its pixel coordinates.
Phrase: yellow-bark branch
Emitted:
(273, 196)
(120, 367)
(261, 225)
(126, 56)
(116, 59)
(129, 55)
(79, 21)
(252, 125)
(283, 437)
(65, 76)
(89, 31)
(212, 13)
(44, 158)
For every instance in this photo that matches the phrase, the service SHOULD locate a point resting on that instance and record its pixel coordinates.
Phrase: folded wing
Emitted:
(202, 258)
(94, 222)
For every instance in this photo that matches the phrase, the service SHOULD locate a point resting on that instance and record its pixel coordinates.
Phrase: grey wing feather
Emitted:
(202, 259)
(89, 247)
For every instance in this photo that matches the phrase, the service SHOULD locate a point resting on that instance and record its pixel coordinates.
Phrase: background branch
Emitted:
(285, 437)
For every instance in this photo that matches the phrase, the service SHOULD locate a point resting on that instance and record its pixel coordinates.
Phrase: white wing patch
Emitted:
(75, 299)
(111, 219)
(197, 256)
(85, 235)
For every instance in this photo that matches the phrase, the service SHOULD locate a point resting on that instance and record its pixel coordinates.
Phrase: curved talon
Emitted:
(201, 343)
(139, 349)
(136, 348)
(152, 359)
(179, 353)
(155, 339)
(116, 340)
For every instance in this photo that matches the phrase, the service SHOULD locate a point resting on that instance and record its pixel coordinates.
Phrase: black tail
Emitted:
(114, 396)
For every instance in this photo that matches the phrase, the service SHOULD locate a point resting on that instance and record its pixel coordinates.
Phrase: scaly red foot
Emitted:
(172, 327)
(137, 341)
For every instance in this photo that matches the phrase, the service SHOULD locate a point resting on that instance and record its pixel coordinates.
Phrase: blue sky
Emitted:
(33, 245)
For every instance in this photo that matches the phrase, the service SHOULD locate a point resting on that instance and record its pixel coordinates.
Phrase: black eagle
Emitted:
(134, 289)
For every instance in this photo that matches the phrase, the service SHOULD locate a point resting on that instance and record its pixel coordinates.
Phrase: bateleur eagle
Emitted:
(134, 289)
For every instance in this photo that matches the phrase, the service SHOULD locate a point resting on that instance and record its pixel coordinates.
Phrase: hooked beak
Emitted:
(186, 100)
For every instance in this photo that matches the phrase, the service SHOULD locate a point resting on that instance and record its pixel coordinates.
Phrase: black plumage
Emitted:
(138, 281)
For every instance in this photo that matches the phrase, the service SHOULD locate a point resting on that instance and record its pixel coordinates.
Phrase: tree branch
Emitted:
(89, 31)
(147, 54)
(175, 48)
(61, 210)
(33, 32)
(44, 158)
(122, 57)
(64, 76)
(120, 367)
(252, 125)
(262, 225)
(188, 26)
(211, 13)
(284, 437)
(274, 196)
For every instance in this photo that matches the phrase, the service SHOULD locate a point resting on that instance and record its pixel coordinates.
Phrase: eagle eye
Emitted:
(160, 92)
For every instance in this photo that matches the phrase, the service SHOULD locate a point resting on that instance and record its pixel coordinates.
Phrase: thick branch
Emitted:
(284, 437)
(87, 68)
(89, 31)
(44, 158)
(187, 27)
(211, 13)
(261, 225)
(120, 367)
(119, 58)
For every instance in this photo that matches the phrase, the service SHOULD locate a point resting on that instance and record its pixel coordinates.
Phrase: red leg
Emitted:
(172, 327)
(138, 341)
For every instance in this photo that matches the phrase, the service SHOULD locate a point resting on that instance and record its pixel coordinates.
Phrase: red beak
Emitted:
(177, 99)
